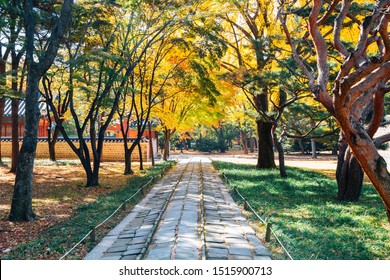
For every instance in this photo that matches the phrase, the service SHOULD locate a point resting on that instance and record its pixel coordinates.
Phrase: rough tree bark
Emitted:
(15, 133)
(52, 141)
(167, 139)
(141, 162)
(265, 158)
(21, 208)
(349, 174)
(357, 75)
(279, 148)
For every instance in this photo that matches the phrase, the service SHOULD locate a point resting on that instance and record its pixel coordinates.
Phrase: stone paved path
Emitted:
(188, 215)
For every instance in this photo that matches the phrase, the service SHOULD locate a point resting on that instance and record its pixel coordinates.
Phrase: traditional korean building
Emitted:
(6, 131)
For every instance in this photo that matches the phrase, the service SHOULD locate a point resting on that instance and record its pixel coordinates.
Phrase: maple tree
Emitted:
(190, 95)
(195, 99)
(179, 113)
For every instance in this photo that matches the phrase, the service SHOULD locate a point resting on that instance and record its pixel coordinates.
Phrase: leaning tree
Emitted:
(363, 74)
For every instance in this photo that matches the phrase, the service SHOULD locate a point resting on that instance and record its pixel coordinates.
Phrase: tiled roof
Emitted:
(22, 108)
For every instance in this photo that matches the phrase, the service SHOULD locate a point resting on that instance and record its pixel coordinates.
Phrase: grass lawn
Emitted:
(307, 218)
(53, 242)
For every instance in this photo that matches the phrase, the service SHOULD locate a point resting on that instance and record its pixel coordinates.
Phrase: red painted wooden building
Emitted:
(6, 131)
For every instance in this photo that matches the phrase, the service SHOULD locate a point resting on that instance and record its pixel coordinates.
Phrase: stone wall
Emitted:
(112, 151)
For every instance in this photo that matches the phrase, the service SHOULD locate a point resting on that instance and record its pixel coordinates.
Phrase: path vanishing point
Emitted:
(188, 215)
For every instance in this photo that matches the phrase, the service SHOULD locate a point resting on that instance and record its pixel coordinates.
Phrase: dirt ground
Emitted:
(58, 189)
(324, 161)
(305, 161)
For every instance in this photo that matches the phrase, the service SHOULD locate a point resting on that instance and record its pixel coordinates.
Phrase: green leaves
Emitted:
(206, 85)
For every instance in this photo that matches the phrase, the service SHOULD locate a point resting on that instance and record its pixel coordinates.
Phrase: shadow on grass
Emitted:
(308, 218)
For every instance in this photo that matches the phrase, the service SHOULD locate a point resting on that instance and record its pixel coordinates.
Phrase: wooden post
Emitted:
(150, 143)
(245, 204)
(268, 232)
(92, 236)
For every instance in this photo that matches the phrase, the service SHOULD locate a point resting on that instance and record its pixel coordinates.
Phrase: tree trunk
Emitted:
(2, 100)
(350, 180)
(53, 141)
(349, 174)
(252, 141)
(265, 145)
(367, 154)
(52, 150)
(279, 148)
(167, 136)
(183, 145)
(282, 167)
(128, 170)
(313, 148)
(301, 147)
(128, 152)
(244, 141)
(93, 180)
(15, 133)
(151, 143)
(141, 163)
(21, 208)
(2, 105)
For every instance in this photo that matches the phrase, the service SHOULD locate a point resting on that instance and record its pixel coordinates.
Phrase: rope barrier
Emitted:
(108, 218)
(74, 247)
(284, 248)
(250, 207)
(257, 215)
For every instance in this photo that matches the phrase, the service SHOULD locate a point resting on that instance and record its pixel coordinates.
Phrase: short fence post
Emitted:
(92, 236)
(245, 204)
(268, 232)
(124, 206)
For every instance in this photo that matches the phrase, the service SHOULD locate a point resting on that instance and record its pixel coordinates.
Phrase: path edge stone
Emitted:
(98, 251)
